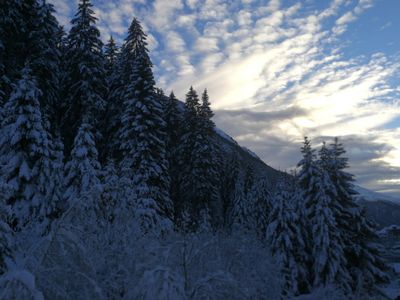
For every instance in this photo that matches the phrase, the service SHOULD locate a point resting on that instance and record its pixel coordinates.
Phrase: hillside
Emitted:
(384, 210)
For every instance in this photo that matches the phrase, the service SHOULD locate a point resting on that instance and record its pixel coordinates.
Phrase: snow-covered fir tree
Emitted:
(363, 254)
(84, 82)
(187, 183)
(173, 121)
(261, 206)
(82, 181)
(199, 184)
(15, 25)
(206, 162)
(229, 179)
(143, 142)
(111, 55)
(5, 236)
(135, 42)
(26, 165)
(244, 197)
(328, 264)
(285, 239)
(45, 63)
(110, 197)
(28, 34)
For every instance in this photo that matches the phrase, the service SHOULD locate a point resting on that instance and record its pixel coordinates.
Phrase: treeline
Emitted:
(93, 156)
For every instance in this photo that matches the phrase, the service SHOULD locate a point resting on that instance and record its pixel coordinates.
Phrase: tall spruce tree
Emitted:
(26, 165)
(111, 55)
(328, 264)
(187, 181)
(134, 43)
(82, 181)
(84, 83)
(207, 162)
(5, 235)
(229, 181)
(286, 240)
(260, 198)
(143, 142)
(45, 63)
(15, 26)
(363, 254)
(173, 128)
(199, 160)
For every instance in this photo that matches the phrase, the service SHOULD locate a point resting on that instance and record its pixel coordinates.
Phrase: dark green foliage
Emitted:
(84, 82)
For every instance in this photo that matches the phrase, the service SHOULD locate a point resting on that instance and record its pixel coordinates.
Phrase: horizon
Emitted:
(282, 71)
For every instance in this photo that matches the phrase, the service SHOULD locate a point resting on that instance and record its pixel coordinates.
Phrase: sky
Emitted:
(279, 70)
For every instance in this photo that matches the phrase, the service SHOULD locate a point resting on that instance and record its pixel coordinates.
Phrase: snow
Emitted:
(369, 195)
(23, 277)
(251, 153)
(225, 136)
(396, 267)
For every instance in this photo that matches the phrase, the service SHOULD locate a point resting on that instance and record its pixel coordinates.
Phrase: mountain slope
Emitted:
(384, 210)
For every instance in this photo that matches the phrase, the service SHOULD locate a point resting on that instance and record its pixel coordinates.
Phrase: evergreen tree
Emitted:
(45, 63)
(284, 237)
(328, 254)
(260, 199)
(229, 181)
(84, 82)
(199, 158)
(26, 164)
(173, 130)
(328, 263)
(248, 180)
(187, 182)
(362, 252)
(134, 43)
(27, 30)
(15, 26)
(82, 181)
(110, 197)
(241, 218)
(143, 141)
(5, 232)
(206, 163)
(111, 54)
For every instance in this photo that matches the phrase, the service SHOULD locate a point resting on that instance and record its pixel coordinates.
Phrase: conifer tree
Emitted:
(27, 30)
(84, 83)
(260, 201)
(187, 181)
(363, 256)
(284, 237)
(173, 130)
(14, 29)
(328, 254)
(199, 179)
(110, 196)
(230, 178)
(82, 181)
(5, 231)
(24, 150)
(206, 162)
(110, 54)
(134, 43)
(327, 259)
(45, 63)
(143, 141)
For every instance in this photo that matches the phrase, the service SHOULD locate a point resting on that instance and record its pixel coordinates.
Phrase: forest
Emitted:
(110, 189)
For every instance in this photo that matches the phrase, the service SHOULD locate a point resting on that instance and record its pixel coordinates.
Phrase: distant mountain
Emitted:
(383, 209)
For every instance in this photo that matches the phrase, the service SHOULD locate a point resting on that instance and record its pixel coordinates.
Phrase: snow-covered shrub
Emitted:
(19, 284)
